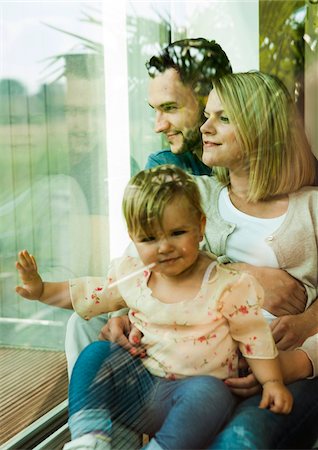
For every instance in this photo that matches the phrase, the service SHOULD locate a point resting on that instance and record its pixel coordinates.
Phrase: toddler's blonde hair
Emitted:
(150, 191)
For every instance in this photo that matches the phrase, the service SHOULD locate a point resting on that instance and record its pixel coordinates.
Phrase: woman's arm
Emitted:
(283, 294)
(296, 365)
(291, 331)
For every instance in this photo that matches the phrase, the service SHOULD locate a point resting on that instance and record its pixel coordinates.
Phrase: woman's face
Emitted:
(220, 145)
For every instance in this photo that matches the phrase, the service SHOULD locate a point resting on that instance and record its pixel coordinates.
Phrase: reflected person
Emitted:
(40, 207)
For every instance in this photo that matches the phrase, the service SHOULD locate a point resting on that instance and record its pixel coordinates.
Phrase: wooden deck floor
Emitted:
(32, 382)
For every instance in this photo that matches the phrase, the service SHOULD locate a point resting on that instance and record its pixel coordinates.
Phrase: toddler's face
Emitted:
(174, 247)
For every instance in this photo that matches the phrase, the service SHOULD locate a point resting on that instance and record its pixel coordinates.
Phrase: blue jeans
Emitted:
(109, 386)
(254, 428)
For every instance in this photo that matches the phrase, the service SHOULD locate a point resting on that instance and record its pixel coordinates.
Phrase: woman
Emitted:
(258, 211)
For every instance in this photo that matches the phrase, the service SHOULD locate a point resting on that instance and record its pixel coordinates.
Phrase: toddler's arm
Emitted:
(240, 303)
(275, 395)
(33, 288)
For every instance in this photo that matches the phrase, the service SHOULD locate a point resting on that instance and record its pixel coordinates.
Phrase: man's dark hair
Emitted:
(198, 62)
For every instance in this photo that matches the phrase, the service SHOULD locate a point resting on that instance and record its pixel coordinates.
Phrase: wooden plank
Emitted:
(32, 382)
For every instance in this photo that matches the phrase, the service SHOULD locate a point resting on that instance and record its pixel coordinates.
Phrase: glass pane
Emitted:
(311, 74)
(52, 157)
(282, 48)
(52, 189)
(288, 49)
(148, 28)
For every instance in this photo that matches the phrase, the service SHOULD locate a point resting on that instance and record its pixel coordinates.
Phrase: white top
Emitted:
(252, 231)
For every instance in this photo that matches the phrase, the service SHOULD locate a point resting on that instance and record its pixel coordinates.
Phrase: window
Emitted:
(53, 203)
(75, 124)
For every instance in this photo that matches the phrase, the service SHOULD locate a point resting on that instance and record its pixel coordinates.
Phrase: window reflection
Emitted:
(42, 208)
(52, 165)
(85, 120)
(52, 196)
(282, 49)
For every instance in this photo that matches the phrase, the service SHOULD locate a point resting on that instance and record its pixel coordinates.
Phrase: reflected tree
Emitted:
(144, 37)
(282, 45)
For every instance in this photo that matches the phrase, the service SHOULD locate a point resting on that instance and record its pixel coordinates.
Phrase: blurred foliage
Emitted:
(282, 49)
(140, 39)
(56, 63)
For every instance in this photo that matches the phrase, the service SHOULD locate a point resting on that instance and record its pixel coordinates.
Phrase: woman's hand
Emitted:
(120, 331)
(290, 332)
(295, 365)
(244, 386)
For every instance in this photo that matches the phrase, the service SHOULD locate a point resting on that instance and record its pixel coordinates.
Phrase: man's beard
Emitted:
(192, 142)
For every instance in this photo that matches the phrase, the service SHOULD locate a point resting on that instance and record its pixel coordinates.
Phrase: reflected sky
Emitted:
(24, 23)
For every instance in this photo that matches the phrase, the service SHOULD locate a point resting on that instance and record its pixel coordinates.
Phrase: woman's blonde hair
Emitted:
(149, 192)
(270, 132)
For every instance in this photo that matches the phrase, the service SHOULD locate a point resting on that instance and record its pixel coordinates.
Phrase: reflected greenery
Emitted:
(53, 166)
(282, 49)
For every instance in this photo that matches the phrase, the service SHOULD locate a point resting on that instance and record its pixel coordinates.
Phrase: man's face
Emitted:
(178, 112)
(84, 115)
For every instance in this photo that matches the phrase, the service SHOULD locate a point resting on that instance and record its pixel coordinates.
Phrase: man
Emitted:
(180, 80)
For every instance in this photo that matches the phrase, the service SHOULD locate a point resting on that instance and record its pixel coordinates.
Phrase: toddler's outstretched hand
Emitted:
(32, 282)
(276, 397)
